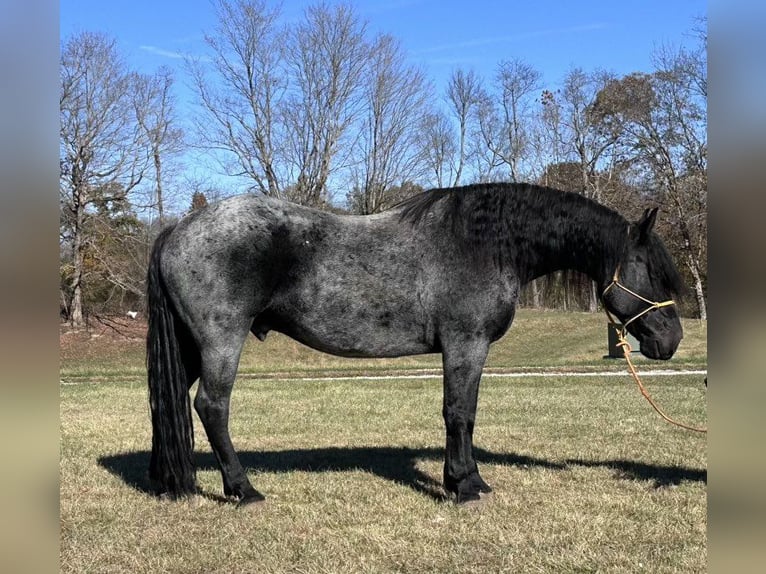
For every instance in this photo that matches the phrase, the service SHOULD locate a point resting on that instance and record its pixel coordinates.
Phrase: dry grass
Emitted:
(587, 478)
(537, 339)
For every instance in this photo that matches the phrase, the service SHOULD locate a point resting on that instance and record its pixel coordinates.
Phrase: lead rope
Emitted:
(627, 349)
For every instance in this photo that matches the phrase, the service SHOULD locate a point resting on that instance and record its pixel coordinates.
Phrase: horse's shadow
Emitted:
(661, 475)
(397, 464)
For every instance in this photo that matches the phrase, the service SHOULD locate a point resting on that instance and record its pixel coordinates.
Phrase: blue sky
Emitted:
(439, 35)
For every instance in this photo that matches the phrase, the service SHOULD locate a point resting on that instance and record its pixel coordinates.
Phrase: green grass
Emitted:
(537, 339)
(587, 478)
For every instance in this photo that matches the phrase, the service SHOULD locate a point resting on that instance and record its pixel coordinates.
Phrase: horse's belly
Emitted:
(393, 349)
(349, 335)
(355, 303)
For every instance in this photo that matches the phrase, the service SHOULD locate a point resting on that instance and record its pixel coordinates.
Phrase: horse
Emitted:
(438, 273)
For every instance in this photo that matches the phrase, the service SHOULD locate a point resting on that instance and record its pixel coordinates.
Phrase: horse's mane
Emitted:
(485, 215)
(484, 212)
(661, 264)
(492, 199)
(415, 208)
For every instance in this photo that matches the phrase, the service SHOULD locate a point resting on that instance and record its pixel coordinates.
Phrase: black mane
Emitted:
(531, 222)
(662, 266)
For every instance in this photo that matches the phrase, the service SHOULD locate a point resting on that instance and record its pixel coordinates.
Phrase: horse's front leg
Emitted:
(463, 361)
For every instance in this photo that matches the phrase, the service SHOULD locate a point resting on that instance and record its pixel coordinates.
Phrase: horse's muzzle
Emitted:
(662, 349)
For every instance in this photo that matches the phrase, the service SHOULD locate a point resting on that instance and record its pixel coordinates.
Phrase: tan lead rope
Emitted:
(627, 349)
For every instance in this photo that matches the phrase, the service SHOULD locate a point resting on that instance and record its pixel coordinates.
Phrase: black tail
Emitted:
(171, 466)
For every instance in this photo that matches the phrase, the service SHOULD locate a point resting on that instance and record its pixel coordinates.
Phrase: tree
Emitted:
(117, 256)
(103, 151)
(326, 57)
(517, 82)
(242, 105)
(463, 96)
(587, 143)
(283, 100)
(437, 145)
(395, 96)
(155, 113)
(577, 138)
(549, 140)
(198, 201)
(487, 156)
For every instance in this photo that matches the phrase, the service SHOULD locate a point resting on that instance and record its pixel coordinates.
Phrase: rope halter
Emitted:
(651, 305)
(623, 342)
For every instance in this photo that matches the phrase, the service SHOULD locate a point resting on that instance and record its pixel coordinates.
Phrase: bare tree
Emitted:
(487, 154)
(326, 55)
(564, 139)
(155, 112)
(242, 102)
(103, 151)
(395, 96)
(584, 140)
(437, 145)
(463, 96)
(517, 82)
(550, 136)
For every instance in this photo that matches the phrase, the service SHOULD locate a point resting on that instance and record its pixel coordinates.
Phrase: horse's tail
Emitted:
(171, 467)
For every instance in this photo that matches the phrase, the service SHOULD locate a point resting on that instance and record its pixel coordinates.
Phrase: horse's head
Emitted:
(643, 289)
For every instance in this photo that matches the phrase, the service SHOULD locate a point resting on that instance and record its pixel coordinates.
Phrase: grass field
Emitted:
(537, 339)
(587, 478)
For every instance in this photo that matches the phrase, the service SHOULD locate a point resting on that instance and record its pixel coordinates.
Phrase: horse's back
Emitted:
(342, 284)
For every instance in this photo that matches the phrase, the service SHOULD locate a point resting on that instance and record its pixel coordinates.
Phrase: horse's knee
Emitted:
(458, 418)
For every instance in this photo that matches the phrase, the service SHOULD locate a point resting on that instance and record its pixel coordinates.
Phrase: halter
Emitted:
(623, 342)
(652, 305)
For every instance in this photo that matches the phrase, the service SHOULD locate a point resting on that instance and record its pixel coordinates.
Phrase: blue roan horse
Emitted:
(439, 273)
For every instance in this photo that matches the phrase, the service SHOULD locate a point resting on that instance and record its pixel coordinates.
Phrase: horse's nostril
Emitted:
(655, 349)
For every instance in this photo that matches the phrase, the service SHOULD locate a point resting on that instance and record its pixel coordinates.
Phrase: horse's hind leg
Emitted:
(463, 363)
(218, 370)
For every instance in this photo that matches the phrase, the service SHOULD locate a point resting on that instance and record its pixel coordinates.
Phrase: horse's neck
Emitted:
(581, 240)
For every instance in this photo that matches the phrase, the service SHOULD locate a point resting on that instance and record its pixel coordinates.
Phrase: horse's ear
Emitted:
(646, 223)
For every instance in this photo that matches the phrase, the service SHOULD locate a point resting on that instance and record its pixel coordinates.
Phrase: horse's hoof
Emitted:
(481, 501)
(251, 502)
(478, 501)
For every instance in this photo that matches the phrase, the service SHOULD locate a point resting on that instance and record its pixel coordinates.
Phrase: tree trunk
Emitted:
(535, 294)
(76, 317)
(158, 174)
(461, 158)
(691, 260)
(592, 297)
(699, 292)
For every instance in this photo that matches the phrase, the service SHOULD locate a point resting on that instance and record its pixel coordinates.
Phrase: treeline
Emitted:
(322, 113)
